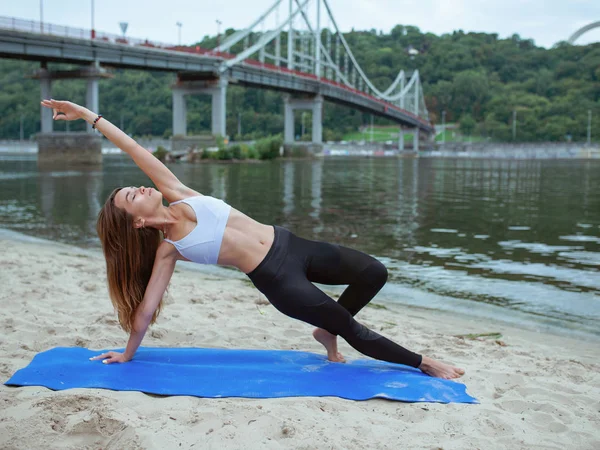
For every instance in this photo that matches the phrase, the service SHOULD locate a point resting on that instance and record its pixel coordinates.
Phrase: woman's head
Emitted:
(129, 246)
(140, 202)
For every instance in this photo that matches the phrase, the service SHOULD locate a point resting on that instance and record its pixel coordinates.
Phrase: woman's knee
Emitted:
(375, 274)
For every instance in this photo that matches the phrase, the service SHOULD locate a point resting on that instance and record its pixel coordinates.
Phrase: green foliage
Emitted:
(252, 152)
(224, 154)
(220, 140)
(467, 124)
(474, 74)
(239, 151)
(161, 153)
(268, 148)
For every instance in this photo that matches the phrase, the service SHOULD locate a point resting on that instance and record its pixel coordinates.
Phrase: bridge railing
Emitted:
(32, 26)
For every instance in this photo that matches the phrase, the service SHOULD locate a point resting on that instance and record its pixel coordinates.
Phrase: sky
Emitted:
(544, 21)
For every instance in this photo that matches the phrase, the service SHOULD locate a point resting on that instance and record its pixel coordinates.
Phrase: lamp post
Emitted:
(179, 24)
(21, 132)
(93, 26)
(589, 128)
(218, 35)
(514, 125)
(443, 127)
(42, 16)
(303, 127)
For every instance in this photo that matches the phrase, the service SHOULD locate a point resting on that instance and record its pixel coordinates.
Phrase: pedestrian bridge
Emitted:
(318, 66)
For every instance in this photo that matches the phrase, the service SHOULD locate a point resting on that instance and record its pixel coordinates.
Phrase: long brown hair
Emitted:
(130, 254)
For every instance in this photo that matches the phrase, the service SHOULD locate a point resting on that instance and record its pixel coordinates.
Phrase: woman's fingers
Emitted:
(107, 358)
(102, 356)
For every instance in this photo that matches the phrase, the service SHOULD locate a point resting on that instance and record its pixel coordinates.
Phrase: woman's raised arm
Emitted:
(166, 182)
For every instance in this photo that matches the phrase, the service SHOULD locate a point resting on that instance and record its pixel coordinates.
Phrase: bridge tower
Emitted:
(319, 65)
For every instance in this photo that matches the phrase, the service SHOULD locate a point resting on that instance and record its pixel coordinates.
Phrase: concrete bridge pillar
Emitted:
(60, 148)
(217, 89)
(416, 140)
(46, 93)
(92, 99)
(317, 120)
(179, 112)
(314, 104)
(401, 139)
(219, 109)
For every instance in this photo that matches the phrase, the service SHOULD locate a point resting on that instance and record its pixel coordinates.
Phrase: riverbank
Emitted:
(526, 150)
(478, 150)
(535, 389)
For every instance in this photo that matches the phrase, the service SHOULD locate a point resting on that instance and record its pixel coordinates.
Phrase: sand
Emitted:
(536, 390)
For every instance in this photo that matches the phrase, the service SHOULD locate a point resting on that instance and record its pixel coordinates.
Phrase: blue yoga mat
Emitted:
(215, 372)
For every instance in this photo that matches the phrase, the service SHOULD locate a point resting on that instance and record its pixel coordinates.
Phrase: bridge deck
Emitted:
(146, 56)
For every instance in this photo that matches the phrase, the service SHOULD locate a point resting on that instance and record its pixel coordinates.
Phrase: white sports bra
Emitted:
(203, 243)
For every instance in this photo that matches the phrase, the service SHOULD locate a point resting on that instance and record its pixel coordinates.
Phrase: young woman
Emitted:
(142, 240)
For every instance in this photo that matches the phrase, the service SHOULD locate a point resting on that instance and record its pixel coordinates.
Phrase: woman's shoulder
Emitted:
(166, 251)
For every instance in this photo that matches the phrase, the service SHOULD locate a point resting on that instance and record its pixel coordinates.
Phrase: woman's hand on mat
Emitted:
(110, 357)
(64, 110)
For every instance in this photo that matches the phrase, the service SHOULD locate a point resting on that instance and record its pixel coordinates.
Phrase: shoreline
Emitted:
(512, 151)
(521, 321)
(535, 389)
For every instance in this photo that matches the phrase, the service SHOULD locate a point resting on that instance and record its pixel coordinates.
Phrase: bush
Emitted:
(237, 151)
(224, 154)
(160, 153)
(268, 148)
(220, 141)
(252, 152)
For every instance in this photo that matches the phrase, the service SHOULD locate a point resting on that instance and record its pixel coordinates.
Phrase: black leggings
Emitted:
(285, 277)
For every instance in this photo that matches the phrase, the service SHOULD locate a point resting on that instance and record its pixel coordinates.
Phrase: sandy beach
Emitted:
(536, 390)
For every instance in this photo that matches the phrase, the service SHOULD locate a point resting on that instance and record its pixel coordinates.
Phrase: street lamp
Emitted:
(42, 16)
(303, 126)
(93, 27)
(443, 127)
(589, 129)
(179, 24)
(218, 34)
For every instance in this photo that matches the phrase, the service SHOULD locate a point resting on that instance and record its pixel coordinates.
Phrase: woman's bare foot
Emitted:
(439, 369)
(329, 341)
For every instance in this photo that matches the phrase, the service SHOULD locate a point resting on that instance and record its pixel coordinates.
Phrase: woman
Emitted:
(206, 230)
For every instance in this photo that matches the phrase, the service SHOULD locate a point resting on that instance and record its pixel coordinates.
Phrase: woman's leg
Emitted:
(282, 277)
(297, 297)
(333, 264)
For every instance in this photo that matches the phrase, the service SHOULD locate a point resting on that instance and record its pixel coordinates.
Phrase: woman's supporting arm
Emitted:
(162, 271)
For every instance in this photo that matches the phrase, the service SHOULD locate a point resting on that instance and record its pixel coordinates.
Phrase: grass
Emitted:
(380, 134)
(454, 136)
(390, 133)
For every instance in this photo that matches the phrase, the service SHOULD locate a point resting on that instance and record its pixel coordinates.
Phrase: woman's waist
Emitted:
(245, 242)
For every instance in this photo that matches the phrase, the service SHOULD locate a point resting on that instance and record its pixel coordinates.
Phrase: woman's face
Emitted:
(141, 202)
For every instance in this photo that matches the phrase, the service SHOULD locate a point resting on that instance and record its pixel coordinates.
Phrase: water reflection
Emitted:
(288, 189)
(523, 235)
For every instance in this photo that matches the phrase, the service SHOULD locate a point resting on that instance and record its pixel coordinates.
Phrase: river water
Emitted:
(517, 241)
